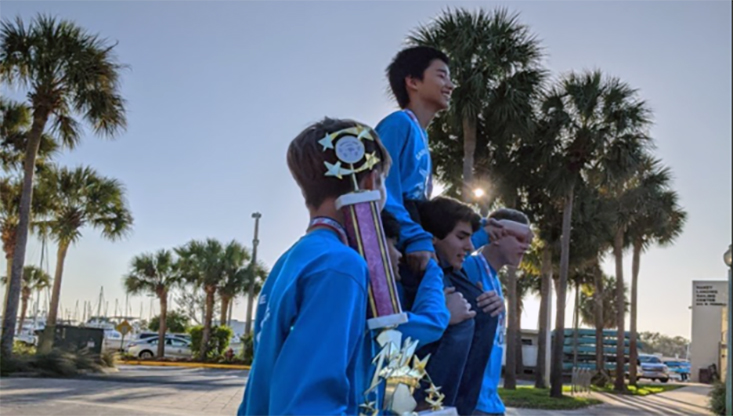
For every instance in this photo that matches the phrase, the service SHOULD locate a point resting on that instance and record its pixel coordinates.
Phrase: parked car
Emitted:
(149, 334)
(678, 368)
(148, 347)
(653, 368)
(112, 340)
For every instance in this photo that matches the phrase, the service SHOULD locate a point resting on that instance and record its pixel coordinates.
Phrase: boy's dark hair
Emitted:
(306, 159)
(510, 214)
(440, 215)
(411, 62)
(391, 225)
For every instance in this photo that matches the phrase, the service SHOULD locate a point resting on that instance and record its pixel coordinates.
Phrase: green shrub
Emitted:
(717, 399)
(175, 322)
(218, 341)
(248, 351)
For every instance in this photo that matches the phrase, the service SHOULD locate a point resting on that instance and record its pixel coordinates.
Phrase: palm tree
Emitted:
(593, 117)
(202, 264)
(34, 279)
(588, 304)
(67, 72)
(156, 274)
(658, 219)
(235, 276)
(495, 63)
(81, 197)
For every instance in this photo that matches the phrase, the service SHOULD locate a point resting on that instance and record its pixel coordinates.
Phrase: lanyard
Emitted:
(492, 276)
(334, 225)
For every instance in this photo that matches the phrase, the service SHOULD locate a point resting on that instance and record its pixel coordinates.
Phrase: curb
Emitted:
(184, 364)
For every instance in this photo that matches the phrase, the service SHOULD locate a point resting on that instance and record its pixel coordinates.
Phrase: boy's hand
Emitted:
(459, 308)
(490, 302)
(494, 229)
(418, 261)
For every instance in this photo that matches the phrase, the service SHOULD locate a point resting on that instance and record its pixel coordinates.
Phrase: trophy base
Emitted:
(446, 411)
(387, 321)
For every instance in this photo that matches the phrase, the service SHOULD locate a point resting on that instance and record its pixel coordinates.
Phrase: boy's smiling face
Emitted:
(454, 248)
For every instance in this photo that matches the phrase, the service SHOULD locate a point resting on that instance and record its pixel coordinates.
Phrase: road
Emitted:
(156, 391)
(134, 390)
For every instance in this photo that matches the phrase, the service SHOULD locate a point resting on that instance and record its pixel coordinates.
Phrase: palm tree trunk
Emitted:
(469, 149)
(520, 355)
(9, 265)
(598, 299)
(633, 353)
(618, 254)
(163, 326)
(576, 319)
(510, 369)
(48, 332)
(25, 295)
(231, 309)
(224, 309)
(556, 373)
(40, 116)
(544, 308)
(210, 292)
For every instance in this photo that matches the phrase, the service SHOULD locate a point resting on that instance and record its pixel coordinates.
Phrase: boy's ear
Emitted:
(411, 83)
(372, 181)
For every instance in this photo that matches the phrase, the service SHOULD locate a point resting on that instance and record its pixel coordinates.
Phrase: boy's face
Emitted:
(436, 86)
(454, 248)
(395, 257)
(513, 246)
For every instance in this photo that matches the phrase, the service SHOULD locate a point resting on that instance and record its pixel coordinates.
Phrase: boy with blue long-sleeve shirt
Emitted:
(312, 352)
(482, 269)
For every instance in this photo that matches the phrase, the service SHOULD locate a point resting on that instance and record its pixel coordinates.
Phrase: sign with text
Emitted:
(710, 294)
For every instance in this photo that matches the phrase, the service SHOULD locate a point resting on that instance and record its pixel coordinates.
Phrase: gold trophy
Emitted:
(398, 370)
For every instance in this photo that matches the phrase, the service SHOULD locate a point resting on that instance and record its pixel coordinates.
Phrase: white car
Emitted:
(148, 348)
(653, 368)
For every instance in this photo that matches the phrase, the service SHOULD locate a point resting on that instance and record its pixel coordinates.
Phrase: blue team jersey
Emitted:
(312, 351)
(409, 178)
(479, 270)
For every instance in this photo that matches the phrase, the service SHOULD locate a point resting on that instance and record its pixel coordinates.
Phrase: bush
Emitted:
(175, 322)
(717, 399)
(218, 341)
(57, 363)
(248, 351)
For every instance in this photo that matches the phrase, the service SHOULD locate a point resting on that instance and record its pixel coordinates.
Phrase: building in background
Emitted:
(709, 299)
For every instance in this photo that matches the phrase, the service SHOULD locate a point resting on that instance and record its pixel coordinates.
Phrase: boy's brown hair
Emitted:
(510, 214)
(306, 159)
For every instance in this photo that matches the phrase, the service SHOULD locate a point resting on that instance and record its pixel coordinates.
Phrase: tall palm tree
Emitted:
(81, 198)
(34, 279)
(658, 219)
(589, 111)
(67, 72)
(202, 264)
(235, 276)
(495, 63)
(156, 274)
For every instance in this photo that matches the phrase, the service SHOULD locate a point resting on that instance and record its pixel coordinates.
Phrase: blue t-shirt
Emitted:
(479, 270)
(409, 178)
(312, 351)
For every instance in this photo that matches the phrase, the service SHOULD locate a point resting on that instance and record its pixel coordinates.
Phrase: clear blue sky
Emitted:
(216, 90)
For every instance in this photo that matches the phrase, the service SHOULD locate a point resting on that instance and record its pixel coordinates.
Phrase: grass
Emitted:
(528, 397)
(640, 390)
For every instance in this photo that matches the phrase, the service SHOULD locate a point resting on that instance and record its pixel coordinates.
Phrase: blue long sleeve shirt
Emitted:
(312, 350)
(429, 316)
(489, 400)
(409, 178)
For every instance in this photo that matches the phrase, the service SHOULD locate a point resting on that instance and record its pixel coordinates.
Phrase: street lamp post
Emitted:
(253, 271)
(727, 258)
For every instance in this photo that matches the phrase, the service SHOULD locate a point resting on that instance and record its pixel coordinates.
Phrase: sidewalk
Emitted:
(690, 400)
